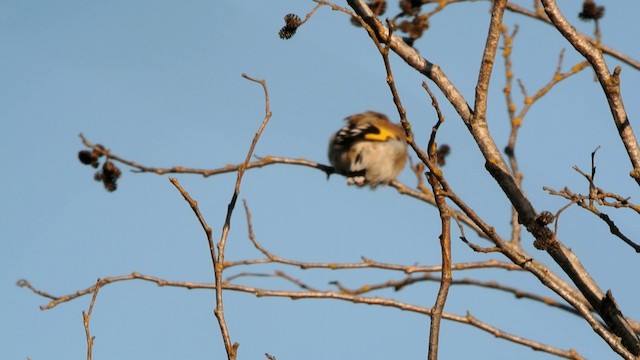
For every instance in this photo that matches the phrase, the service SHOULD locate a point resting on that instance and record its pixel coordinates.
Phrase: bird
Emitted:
(368, 150)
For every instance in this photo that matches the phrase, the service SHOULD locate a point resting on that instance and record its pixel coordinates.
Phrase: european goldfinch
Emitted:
(368, 150)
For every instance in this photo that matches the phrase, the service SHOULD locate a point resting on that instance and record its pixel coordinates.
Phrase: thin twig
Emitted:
(224, 331)
(86, 317)
(218, 259)
(431, 163)
(231, 351)
(516, 228)
(445, 234)
(445, 283)
(310, 14)
(260, 162)
(398, 285)
(600, 197)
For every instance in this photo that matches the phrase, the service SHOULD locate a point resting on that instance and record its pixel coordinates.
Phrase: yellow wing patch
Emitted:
(384, 135)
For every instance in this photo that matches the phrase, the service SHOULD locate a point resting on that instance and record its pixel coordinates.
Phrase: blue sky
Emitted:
(159, 82)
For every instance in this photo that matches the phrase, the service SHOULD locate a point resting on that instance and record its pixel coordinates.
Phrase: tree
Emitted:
(539, 240)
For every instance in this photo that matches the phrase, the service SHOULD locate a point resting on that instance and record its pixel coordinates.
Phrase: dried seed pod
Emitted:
(108, 175)
(591, 11)
(86, 157)
(442, 153)
(545, 218)
(292, 22)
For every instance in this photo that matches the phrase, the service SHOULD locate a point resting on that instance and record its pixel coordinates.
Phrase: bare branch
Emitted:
(260, 162)
(440, 194)
(295, 295)
(219, 265)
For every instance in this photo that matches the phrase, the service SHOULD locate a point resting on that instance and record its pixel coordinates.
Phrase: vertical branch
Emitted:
(445, 236)
(241, 171)
(515, 123)
(479, 129)
(488, 58)
(445, 282)
(86, 317)
(430, 160)
(219, 264)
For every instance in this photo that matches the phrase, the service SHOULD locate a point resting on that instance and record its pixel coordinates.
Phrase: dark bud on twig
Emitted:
(110, 187)
(442, 153)
(591, 11)
(111, 170)
(292, 22)
(108, 175)
(509, 150)
(91, 157)
(86, 157)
